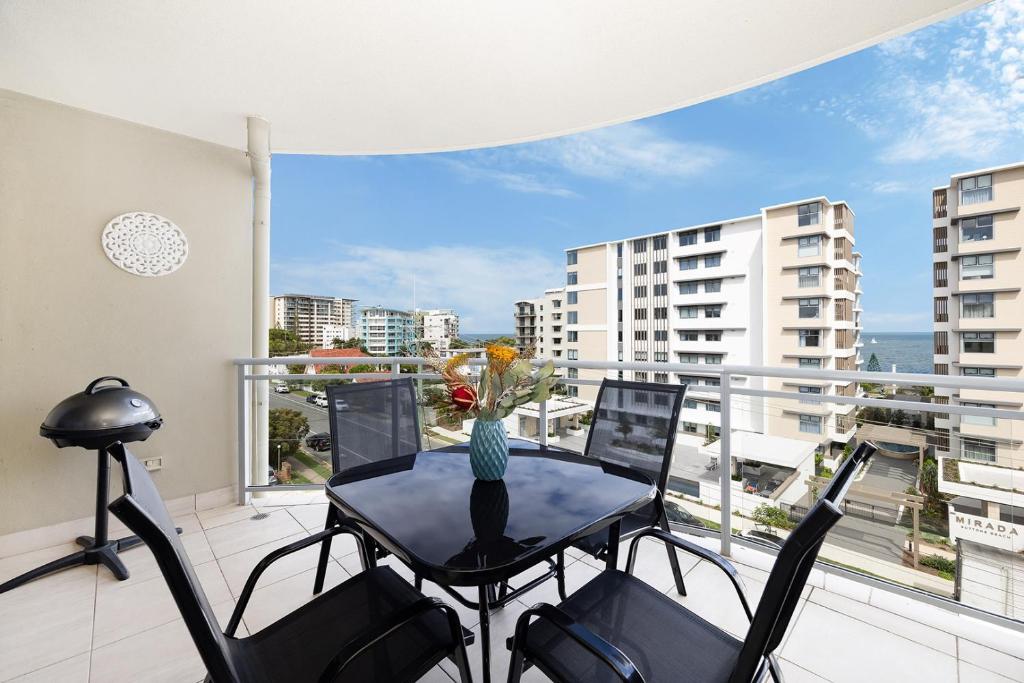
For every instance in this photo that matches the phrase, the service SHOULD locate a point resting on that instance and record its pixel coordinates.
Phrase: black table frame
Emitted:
(487, 582)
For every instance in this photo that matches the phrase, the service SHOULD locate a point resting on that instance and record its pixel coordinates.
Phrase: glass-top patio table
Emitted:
(450, 528)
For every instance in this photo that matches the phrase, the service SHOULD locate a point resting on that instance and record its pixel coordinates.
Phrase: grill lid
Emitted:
(101, 415)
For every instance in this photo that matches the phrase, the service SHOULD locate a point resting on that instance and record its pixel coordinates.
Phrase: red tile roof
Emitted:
(337, 353)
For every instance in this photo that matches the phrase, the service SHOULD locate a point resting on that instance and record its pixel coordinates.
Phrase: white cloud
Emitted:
(479, 283)
(892, 187)
(633, 152)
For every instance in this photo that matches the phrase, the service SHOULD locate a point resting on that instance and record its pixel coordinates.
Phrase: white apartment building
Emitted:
(540, 323)
(777, 288)
(332, 332)
(977, 237)
(437, 326)
(305, 315)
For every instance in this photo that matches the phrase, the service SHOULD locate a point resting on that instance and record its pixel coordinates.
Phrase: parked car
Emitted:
(321, 441)
(311, 398)
(282, 389)
(321, 401)
(272, 476)
(676, 513)
(341, 405)
(763, 537)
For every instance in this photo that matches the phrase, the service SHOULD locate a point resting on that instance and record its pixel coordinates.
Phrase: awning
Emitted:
(774, 450)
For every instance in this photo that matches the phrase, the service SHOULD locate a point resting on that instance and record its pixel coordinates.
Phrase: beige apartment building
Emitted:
(778, 288)
(540, 323)
(306, 315)
(977, 236)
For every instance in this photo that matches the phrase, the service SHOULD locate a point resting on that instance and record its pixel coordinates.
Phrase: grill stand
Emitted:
(97, 549)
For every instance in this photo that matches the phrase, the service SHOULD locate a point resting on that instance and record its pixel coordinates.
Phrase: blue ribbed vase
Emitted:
(488, 450)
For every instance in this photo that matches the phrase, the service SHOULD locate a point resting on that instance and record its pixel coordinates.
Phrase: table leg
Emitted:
(611, 559)
(485, 631)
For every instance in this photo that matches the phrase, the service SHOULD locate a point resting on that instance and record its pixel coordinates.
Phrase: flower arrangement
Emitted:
(506, 381)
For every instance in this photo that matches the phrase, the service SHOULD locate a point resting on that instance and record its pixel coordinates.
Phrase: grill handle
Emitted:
(91, 389)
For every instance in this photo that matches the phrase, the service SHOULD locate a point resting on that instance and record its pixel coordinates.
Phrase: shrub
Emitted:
(942, 564)
(771, 516)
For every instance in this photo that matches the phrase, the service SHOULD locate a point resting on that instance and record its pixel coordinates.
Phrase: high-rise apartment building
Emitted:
(387, 331)
(540, 323)
(978, 273)
(438, 327)
(778, 288)
(306, 315)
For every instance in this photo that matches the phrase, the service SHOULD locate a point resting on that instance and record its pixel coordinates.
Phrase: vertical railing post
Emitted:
(725, 465)
(243, 436)
(396, 370)
(542, 415)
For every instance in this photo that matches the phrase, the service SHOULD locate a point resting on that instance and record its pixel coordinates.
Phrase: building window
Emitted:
(713, 358)
(689, 403)
(809, 246)
(572, 373)
(570, 258)
(661, 335)
(810, 338)
(712, 286)
(570, 277)
(661, 356)
(980, 420)
(572, 336)
(976, 267)
(639, 269)
(691, 428)
(979, 342)
(712, 261)
(691, 358)
(978, 372)
(976, 189)
(640, 335)
(572, 354)
(661, 313)
(687, 311)
(976, 229)
(810, 424)
(573, 391)
(713, 336)
(687, 238)
(977, 305)
(571, 317)
(712, 234)
(660, 242)
(571, 298)
(639, 314)
(713, 311)
(810, 363)
(639, 246)
(687, 287)
(810, 308)
(809, 390)
(688, 263)
(660, 267)
(808, 214)
(810, 277)
(640, 396)
(687, 336)
(978, 449)
(640, 356)
(713, 407)
(640, 291)
(661, 290)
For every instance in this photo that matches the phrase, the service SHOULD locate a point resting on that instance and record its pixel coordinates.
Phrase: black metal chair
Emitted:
(635, 426)
(617, 628)
(373, 627)
(369, 422)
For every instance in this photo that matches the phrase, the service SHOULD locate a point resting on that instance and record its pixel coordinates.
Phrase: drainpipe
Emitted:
(259, 160)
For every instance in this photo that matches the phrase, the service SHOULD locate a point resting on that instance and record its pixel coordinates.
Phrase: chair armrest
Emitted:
(385, 627)
(343, 527)
(610, 655)
(694, 549)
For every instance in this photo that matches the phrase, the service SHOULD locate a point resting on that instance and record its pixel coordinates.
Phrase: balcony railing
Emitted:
(939, 204)
(736, 393)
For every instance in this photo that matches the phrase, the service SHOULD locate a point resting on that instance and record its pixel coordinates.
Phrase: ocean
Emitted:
(485, 336)
(909, 351)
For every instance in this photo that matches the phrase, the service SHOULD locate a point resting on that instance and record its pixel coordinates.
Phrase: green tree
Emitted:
(930, 485)
(874, 365)
(771, 517)
(899, 418)
(502, 341)
(285, 343)
(287, 428)
(624, 428)
(321, 384)
(296, 369)
(459, 344)
(351, 343)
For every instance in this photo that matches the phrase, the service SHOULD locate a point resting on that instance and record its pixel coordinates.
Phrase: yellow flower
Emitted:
(500, 357)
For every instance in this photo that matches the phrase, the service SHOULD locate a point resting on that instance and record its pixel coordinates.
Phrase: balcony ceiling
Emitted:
(364, 77)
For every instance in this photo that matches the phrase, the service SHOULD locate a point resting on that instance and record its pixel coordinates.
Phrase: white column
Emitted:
(259, 161)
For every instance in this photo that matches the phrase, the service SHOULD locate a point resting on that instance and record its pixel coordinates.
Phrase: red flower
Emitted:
(464, 397)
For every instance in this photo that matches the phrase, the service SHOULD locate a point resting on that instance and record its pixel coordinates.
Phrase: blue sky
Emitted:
(483, 228)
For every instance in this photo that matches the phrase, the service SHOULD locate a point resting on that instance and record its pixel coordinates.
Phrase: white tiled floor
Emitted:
(82, 625)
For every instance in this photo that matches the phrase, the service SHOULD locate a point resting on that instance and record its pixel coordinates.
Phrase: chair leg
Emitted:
(325, 554)
(672, 558)
(418, 582)
(560, 575)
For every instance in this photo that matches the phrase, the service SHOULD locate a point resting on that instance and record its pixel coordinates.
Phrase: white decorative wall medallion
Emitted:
(145, 244)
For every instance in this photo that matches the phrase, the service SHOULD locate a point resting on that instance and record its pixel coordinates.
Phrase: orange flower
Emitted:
(499, 358)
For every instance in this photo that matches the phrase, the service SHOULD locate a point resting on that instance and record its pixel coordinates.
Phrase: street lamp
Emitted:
(279, 457)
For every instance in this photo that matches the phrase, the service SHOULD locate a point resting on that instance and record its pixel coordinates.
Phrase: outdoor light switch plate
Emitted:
(153, 464)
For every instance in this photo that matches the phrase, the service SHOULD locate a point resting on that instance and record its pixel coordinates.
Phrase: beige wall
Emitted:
(68, 315)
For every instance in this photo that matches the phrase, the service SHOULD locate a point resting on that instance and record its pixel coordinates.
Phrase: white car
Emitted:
(282, 389)
(320, 401)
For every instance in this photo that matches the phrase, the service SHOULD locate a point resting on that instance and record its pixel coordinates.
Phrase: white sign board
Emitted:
(990, 532)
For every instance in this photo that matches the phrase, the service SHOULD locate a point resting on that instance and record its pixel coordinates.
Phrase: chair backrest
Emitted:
(143, 511)
(634, 425)
(792, 567)
(372, 421)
